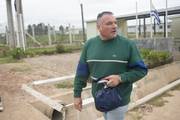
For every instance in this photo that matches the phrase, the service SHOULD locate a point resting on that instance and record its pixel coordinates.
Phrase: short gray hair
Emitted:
(99, 16)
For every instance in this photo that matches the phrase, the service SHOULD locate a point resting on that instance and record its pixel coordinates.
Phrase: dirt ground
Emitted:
(16, 101)
(165, 107)
(13, 75)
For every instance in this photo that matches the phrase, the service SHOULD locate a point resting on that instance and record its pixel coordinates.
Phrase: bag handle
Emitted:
(104, 81)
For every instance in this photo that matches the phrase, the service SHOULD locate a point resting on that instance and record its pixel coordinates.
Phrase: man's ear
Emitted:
(99, 27)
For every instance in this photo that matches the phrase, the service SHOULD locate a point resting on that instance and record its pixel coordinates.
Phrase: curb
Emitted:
(154, 94)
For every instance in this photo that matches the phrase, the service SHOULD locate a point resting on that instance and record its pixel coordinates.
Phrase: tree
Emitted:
(61, 29)
(67, 29)
(29, 29)
(35, 28)
(46, 29)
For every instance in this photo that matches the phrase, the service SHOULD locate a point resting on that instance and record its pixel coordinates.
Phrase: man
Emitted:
(112, 57)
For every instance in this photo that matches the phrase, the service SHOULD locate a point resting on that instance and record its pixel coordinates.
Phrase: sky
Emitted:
(64, 12)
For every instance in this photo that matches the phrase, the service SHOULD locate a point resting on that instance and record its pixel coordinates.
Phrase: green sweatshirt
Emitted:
(118, 56)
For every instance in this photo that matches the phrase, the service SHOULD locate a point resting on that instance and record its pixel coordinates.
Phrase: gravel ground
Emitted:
(13, 75)
(16, 102)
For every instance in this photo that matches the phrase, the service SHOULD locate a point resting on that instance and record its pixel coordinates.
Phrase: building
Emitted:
(123, 26)
(175, 26)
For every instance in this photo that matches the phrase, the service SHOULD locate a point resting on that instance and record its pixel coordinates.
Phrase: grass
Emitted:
(138, 112)
(6, 54)
(176, 88)
(8, 59)
(31, 52)
(52, 50)
(21, 68)
(65, 84)
(159, 101)
(135, 114)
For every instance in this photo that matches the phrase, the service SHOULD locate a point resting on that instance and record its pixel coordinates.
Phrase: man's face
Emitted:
(107, 27)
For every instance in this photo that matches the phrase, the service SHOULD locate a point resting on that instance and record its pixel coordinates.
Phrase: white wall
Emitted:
(91, 30)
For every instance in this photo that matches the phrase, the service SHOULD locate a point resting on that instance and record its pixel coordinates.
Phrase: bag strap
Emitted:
(100, 81)
(94, 79)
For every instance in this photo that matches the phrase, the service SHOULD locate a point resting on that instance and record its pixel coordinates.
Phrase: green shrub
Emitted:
(40, 51)
(163, 56)
(18, 53)
(144, 52)
(48, 52)
(60, 48)
(29, 53)
(4, 51)
(156, 58)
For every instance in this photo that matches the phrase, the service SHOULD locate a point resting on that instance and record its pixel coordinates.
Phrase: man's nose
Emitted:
(114, 25)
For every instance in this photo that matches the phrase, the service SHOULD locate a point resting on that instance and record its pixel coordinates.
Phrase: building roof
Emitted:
(146, 14)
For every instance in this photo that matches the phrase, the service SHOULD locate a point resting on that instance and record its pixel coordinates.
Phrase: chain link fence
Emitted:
(160, 44)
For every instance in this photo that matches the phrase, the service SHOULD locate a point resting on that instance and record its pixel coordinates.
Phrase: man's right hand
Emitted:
(78, 103)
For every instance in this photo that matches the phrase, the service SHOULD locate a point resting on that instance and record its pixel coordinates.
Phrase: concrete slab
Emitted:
(1, 106)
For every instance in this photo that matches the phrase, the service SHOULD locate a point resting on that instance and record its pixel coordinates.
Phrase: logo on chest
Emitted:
(114, 55)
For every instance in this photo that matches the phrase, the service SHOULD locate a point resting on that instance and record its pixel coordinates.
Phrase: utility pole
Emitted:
(54, 34)
(82, 15)
(20, 24)
(12, 41)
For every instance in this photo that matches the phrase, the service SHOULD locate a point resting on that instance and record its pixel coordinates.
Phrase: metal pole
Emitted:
(136, 22)
(154, 27)
(144, 27)
(73, 33)
(139, 27)
(7, 36)
(70, 34)
(166, 19)
(164, 26)
(82, 15)
(49, 35)
(151, 19)
(33, 33)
